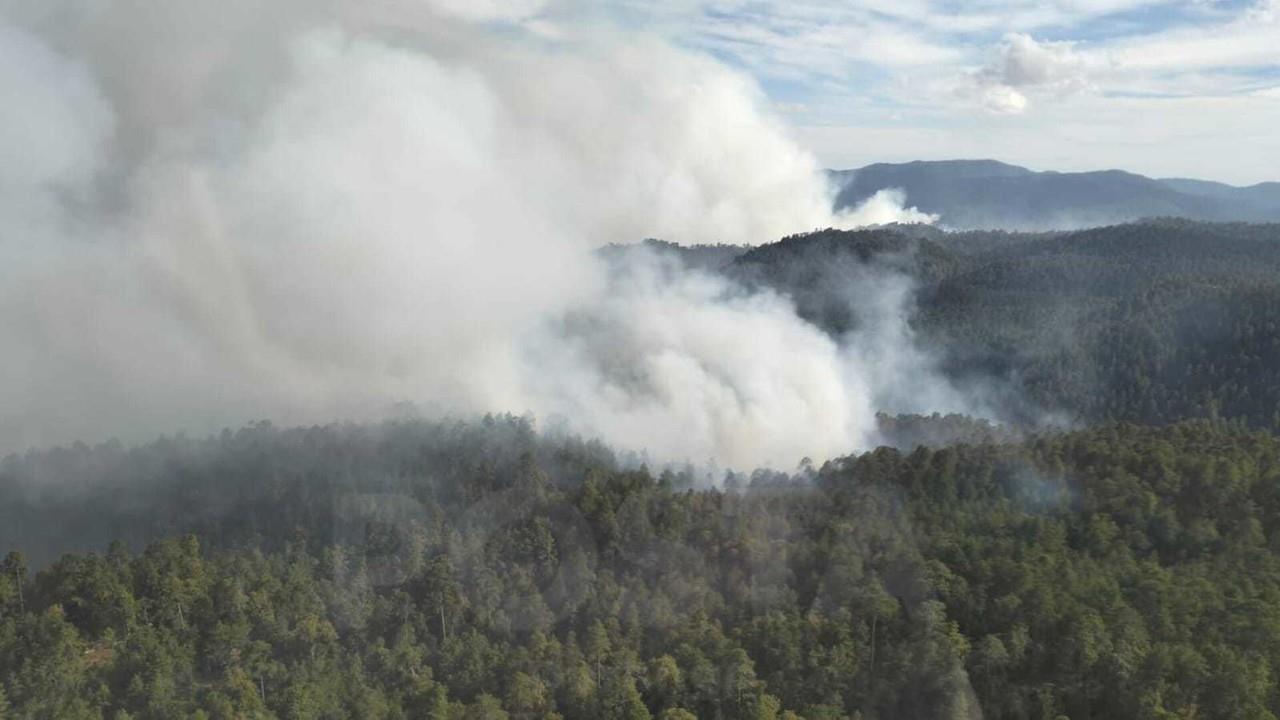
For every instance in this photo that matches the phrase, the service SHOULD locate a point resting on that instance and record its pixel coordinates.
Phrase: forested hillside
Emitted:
(519, 360)
(1151, 322)
(480, 571)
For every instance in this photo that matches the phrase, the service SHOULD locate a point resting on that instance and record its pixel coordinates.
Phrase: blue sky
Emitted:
(1189, 88)
(1164, 88)
(1168, 89)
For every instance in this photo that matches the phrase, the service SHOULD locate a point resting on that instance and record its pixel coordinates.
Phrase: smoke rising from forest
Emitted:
(212, 213)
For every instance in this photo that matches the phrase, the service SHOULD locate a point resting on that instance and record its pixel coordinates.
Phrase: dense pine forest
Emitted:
(482, 571)
(1120, 565)
(1150, 322)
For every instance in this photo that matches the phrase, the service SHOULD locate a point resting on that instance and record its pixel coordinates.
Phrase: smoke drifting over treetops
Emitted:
(216, 212)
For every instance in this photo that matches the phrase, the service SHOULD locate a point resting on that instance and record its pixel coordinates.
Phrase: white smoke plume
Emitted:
(217, 212)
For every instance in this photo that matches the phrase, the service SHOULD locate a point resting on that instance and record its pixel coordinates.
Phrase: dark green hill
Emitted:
(1147, 322)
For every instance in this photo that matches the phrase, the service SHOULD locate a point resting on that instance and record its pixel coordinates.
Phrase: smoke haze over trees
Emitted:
(462, 570)
(308, 211)
(338, 380)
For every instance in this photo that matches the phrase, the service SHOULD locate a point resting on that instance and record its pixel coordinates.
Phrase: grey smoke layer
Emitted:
(217, 212)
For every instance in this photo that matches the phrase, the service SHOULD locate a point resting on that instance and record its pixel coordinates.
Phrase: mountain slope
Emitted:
(971, 194)
(1149, 322)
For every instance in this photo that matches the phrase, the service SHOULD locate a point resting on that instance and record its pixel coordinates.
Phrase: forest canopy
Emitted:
(484, 571)
(1119, 562)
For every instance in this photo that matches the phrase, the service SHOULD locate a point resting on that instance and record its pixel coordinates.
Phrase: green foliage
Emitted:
(1151, 322)
(1116, 572)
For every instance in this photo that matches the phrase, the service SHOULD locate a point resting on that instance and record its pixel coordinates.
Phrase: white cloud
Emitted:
(1228, 138)
(1266, 11)
(490, 10)
(1021, 65)
(928, 64)
(928, 18)
(788, 47)
(1002, 99)
(1025, 62)
(1252, 40)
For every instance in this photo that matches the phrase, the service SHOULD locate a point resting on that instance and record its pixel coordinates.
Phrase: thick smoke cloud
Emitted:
(215, 212)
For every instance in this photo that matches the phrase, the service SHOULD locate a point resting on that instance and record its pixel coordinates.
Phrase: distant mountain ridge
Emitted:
(988, 194)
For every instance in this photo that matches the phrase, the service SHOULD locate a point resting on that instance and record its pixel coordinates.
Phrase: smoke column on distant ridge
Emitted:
(216, 212)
